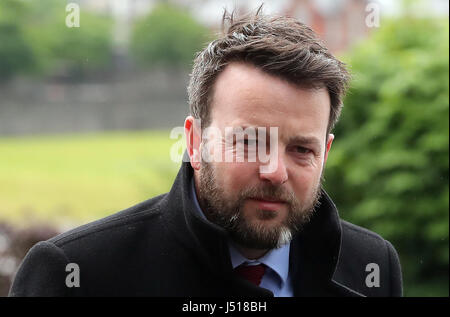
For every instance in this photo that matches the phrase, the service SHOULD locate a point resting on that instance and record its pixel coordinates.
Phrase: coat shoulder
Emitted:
(103, 229)
(364, 252)
(102, 250)
(360, 235)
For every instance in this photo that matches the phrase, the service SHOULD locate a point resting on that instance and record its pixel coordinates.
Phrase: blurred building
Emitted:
(340, 23)
(129, 98)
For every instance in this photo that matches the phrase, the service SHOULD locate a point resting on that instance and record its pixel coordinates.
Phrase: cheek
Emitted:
(305, 181)
(236, 176)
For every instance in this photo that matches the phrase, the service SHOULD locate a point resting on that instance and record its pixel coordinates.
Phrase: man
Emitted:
(233, 223)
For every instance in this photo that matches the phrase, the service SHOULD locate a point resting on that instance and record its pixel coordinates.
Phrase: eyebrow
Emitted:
(299, 139)
(305, 140)
(244, 126)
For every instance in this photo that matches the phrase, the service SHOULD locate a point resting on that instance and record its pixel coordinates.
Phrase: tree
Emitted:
(388, 170)
(16, 54)
(35, 38)
(167, 37)
(78, 50)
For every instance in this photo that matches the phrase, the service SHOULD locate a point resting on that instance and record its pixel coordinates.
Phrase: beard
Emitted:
(228, 211)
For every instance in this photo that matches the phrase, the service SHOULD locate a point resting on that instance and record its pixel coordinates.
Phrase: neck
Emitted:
(251, 254)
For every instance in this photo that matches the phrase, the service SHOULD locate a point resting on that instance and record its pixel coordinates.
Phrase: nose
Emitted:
(277, 175)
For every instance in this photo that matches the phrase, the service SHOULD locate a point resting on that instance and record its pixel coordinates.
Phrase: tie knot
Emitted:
(252, 273)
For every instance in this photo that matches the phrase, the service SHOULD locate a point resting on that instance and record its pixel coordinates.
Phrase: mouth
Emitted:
(268, 199)
(268, 203)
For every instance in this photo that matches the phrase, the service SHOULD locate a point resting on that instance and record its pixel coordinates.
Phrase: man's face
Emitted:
(262, 210)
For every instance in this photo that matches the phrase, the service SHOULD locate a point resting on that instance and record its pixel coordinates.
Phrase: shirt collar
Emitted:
(275, 259)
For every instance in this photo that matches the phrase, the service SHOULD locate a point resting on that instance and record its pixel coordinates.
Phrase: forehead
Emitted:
(244, 95)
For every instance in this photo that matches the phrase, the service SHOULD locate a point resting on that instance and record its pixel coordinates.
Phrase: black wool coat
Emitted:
(162, 247)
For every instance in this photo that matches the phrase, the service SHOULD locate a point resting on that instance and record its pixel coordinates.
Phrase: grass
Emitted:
(74, 179)
(68, 180)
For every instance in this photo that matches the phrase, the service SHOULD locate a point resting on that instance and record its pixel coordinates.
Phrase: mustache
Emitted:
(269, 192)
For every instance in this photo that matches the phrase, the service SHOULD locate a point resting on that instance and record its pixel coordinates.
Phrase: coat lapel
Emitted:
(314, 251)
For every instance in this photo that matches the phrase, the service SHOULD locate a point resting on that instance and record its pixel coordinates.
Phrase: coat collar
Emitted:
(314, 251)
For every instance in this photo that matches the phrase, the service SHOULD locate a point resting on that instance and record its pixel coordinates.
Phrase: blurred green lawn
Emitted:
(73, 179)
(68, 180)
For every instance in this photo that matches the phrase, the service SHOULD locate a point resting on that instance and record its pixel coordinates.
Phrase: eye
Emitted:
(248, 141)
(302, 150)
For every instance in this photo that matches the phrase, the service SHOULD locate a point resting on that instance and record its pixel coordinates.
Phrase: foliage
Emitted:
(38, 40)
(388, 170)
(16, 53)
(77, 49)
(168, 36)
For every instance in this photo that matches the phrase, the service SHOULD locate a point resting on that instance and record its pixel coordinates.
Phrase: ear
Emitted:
(193, 138)
(328, 147)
